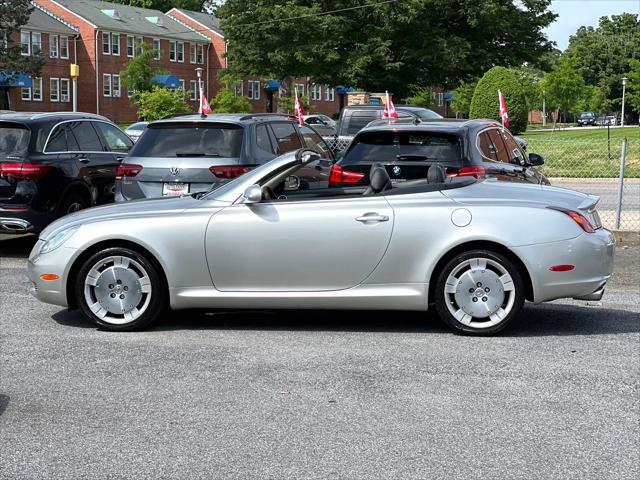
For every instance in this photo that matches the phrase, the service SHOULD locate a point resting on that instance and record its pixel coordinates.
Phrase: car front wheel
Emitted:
(120, 290)
(479, 292)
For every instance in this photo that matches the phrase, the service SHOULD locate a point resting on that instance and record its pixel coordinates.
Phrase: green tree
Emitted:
(160, 102)
(382, 46)
(166, 5)
(632, 97)
(462, 96)
(138, 72)
(13, 15)
(226, 101)
(484, 103)
(564, 86)
(422, 97)
(286, 103)
(603, 54)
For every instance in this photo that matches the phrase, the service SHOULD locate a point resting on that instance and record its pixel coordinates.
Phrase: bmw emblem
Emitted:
(175, 171)
(396, 170)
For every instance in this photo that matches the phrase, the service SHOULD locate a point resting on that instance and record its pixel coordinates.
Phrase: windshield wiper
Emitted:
(414, 157)
(196, 154)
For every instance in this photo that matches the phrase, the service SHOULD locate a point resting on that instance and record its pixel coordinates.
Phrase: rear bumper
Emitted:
(591, 254)
(127, 190)
(20, 220)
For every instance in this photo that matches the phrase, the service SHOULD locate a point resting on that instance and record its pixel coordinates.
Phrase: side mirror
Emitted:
(291, 183)
(252, 194)
(535, 160)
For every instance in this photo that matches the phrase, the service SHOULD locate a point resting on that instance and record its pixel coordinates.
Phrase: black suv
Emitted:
(478, 148)
(189, 153)
(52, 164)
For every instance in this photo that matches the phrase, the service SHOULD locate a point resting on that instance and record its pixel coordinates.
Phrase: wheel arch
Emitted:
(95, 248)
(483, 245)
(78, 187)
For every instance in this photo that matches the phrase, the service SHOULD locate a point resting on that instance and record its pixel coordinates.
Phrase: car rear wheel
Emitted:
(71, 203)
(120, 290)
(479, 292)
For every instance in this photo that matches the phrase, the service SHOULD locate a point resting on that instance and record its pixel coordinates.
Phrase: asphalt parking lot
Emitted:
(320, 394)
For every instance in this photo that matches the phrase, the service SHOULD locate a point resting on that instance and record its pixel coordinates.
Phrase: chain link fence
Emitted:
(587, 161)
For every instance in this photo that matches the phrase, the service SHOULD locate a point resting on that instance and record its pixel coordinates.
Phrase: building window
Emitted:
(300, 88)
(238, 89)
(130, 47)
(64, 90)
(64, 47)
(115, 44)
(181, 87)
(200, 54)
(193, 86)
(53, 46)
(440, 99)
(316, 92)
(253, 89)
(329, 94)
(25, 43)
(180, 55)
(138, 43)
(36, 42)
(54, 89)
(106, 85)
(192, 52)
(172, 51)
(37, 89)
(156, 49)
(26, 93)
(106, 43)
(115, 85)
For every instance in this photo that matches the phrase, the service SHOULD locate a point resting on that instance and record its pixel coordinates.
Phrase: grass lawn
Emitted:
(586, 153)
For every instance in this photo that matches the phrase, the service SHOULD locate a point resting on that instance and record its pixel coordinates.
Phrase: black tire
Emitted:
(157, 302)
(476, 327)
(71, 202)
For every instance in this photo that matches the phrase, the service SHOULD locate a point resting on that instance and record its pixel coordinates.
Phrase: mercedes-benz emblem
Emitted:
(396, 170)
(174, 171)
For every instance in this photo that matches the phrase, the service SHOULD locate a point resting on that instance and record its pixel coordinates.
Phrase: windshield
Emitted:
(14, 140)
(428, 114)
(171, 140)
(389, 146)
(587, 114)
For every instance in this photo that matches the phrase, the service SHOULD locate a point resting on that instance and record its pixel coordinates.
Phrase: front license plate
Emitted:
(175, 189)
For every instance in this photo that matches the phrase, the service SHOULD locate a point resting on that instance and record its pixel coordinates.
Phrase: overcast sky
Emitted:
(572, 14)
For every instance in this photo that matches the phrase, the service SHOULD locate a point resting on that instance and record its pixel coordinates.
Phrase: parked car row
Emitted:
(593, 119)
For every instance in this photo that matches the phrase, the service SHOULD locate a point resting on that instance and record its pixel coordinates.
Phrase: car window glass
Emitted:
(286, 137)
(313, 121)
(116, 140)
(58, 139)
(86, 137)
(360, 119)
(486, 147)
(498, 144)
(403, 114)
(263, 141)
(315, 142)
(513, 150)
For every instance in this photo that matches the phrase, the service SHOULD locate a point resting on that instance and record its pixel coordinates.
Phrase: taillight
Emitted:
(473, 171)
(228, 171)
(127, 170)
(580, 219)
(339, 175)
(24, 171)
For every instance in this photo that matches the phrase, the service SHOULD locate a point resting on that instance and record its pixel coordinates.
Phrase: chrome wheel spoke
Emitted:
(463, 317)
(498, 316)
(507, 282)
(145, 284)
(97, 309)
(451, 285)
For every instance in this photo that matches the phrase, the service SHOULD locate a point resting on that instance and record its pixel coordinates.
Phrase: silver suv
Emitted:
(191, 153)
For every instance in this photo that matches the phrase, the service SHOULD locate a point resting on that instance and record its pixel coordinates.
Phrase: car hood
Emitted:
(137, 208)
(493, 192)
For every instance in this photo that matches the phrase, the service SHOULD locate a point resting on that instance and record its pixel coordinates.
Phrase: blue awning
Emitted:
(342, 90)
(272, 85)
(168, 81)
(448, 96)
(15, 79)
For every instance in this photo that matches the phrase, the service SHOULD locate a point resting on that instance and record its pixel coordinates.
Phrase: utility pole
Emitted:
(624, 86)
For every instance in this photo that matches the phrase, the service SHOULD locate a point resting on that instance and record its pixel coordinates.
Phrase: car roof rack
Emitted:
(257, 116)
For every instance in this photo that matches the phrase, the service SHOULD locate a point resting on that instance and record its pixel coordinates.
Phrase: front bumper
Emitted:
(591, 254)
(57, 262)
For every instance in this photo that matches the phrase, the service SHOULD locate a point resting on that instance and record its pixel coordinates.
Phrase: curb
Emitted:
(627, 237)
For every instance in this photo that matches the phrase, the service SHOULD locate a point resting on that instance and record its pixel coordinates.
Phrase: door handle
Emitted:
(372, 217)
(83, 160)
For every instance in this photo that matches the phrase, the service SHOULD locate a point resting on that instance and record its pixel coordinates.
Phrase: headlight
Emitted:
(57, 240)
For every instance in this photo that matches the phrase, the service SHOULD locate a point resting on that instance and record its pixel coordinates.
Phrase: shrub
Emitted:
(422, 97)
(160, 102)
(226, 101)
(484, 103)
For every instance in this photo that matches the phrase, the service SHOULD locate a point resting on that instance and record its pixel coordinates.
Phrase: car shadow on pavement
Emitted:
(535, 320)
(18, 246)
(4, 403)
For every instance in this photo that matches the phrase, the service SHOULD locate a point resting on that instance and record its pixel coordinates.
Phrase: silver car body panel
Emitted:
(218, 252)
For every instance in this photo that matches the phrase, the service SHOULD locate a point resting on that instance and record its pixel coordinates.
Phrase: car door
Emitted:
(501, 167)
(117, 144)
(517, 159)
(96, 166)
(299, 245)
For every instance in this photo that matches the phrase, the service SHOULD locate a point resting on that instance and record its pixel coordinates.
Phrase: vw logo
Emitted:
(396, 170)
(174, 171)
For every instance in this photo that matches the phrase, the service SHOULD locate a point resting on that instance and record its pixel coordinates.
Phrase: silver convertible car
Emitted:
(476, 249)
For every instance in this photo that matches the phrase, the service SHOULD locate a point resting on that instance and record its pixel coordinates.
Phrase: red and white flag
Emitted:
(504, 115)
(204, 108)
(389, 108)
(298, 109)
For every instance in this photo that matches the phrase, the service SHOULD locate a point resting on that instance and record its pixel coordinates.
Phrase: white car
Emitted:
(135, 130)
